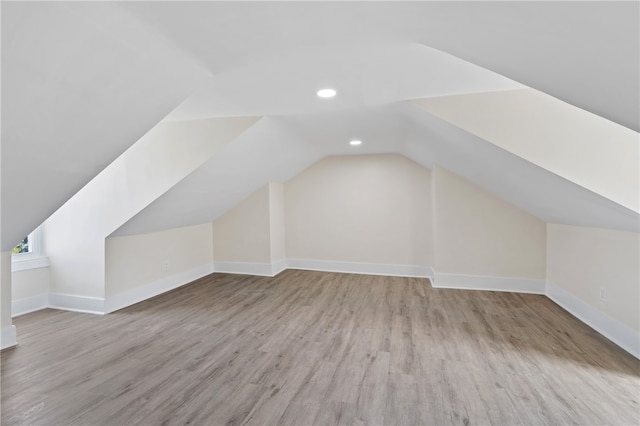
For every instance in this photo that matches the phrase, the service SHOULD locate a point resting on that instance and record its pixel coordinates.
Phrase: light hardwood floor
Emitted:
(318, 348)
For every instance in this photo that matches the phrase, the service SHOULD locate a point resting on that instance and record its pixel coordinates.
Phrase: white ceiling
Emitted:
(532, 188)
(278, 148)
(82, 81)
(365, 75)
(583, 52)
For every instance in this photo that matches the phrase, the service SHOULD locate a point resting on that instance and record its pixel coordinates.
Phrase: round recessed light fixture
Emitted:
(326, 93)
(355, 142)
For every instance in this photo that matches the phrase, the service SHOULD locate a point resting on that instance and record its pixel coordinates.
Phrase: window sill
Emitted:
(26, 262)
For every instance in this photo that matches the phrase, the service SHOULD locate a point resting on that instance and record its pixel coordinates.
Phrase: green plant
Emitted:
(22, 247)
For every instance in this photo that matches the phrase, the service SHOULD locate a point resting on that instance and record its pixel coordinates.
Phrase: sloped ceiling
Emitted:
(127, 64)
(534, 189)
(81, 82)
(278, 148)
(582, 52)
(587, 149)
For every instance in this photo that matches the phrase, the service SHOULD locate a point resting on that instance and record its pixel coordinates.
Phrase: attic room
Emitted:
(381, 213)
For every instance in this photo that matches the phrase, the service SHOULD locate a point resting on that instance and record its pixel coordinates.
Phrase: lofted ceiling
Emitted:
(82, 81)
(278, 148)
(582, 52)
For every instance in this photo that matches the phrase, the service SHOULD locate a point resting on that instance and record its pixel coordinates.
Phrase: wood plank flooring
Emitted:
(318, 348)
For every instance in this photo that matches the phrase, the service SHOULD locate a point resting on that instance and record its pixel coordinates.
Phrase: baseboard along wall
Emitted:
(155, 288)
(101, 306)
(489, 283)
(361, 268)
(8, 338)
(619, 333)
(29, 304)
(71, 302)
(245, 268)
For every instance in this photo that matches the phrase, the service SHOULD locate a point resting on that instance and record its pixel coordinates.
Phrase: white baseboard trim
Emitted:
(8, 337)
(488, 283)
(245, 268)
(29, 304)
(361, 268)
(278, 266)
(70, 302)
(619, 333)
(147, 291)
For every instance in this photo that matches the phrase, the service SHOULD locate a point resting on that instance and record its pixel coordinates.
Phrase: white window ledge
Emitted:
(26, 262)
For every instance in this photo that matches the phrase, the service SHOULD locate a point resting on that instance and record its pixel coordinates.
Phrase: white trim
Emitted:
(244, 268)
(147, 291)
(361, 268)
(489, 283)
(619, 333)
(278, 266)
(29, 304)
(8, 337)
(96, 305)
(23, 262)
(34, 258)
(70, 302)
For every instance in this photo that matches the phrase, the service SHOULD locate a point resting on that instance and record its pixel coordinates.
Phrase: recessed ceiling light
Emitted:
(355, 142)
(326, 93)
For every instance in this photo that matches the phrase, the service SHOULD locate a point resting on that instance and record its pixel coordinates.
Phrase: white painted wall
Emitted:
(480, 234)
(277, 222)
(80, 84)
(7, 329)
(75, 234)
(29, 290)
(243, 234)
(250, 238)
(582, 260)
(369, 208)
(584, 148)
(29, 283)
(138, 260)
